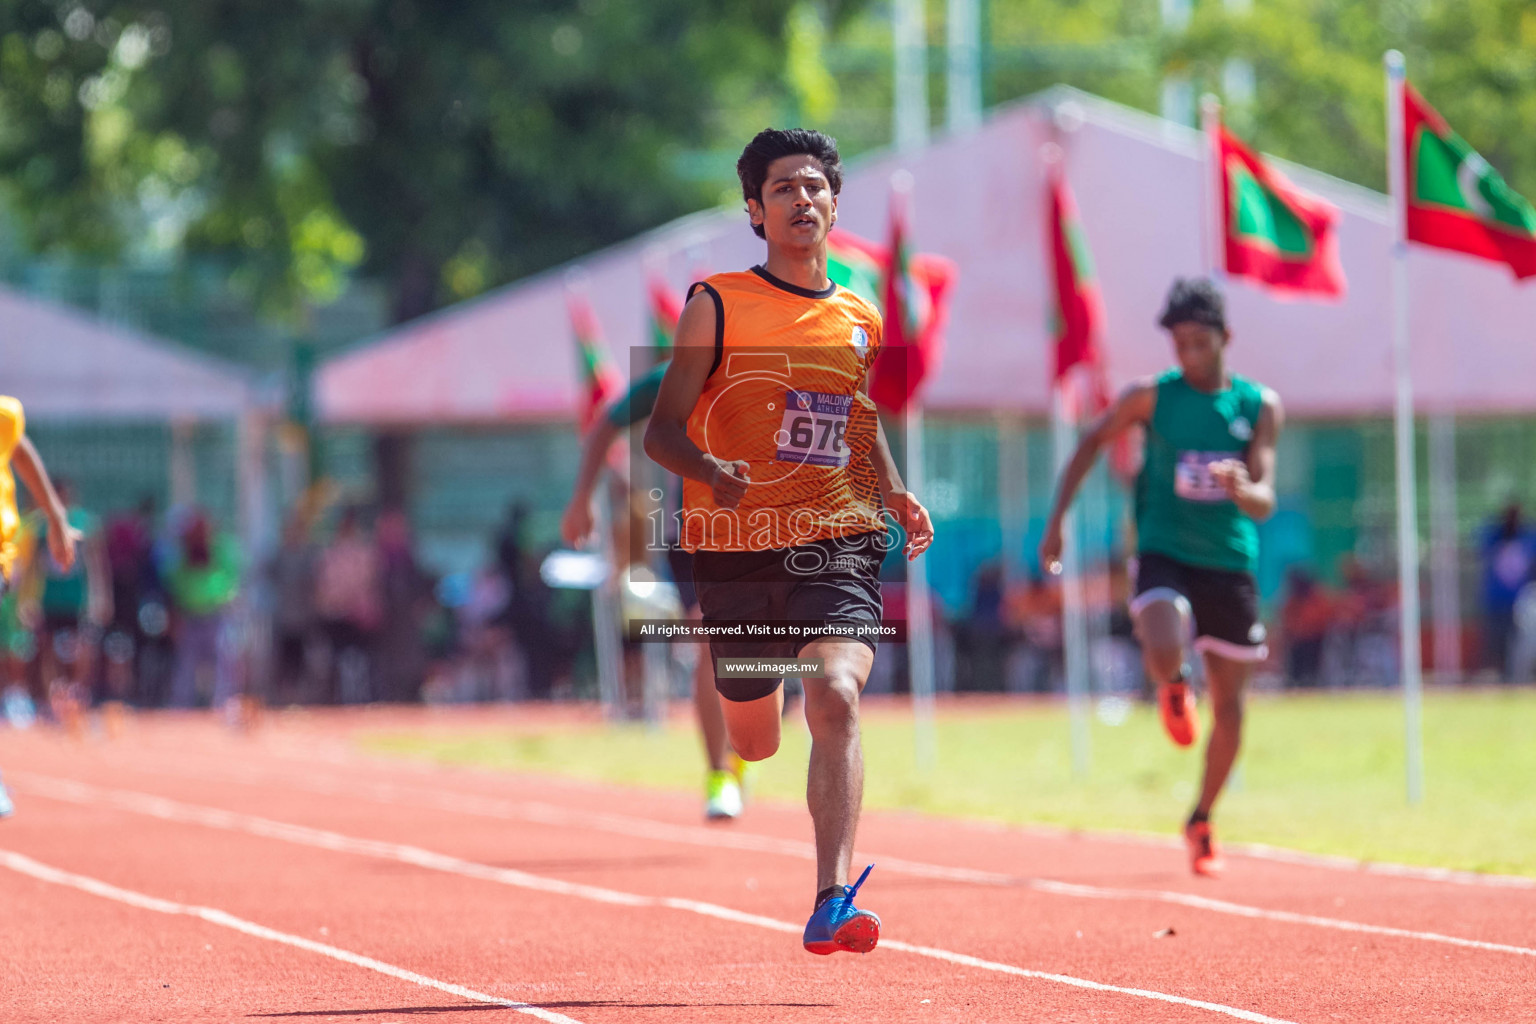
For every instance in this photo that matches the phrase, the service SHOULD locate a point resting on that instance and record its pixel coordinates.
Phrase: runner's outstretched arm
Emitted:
(1134, 406)
(62, 537)
(666, 436)
(1251, 481)
(576, 523)
(902, 503)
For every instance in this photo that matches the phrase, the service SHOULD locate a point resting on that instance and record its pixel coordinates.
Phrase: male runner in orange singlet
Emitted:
(786, 478)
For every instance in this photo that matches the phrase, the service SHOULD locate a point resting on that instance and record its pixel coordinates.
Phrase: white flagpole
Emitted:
(910, 41)
(606, 615)
(1074, 652)
(1074, 624)
(1407, 489)
(1212, 216)
(920, 668)
(919, 611)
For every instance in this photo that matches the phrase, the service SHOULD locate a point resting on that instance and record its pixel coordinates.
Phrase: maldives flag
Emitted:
(914, 304)
(600, 382)
(1078, 311)
(1077, 322)
(666, 307)
(856, 264)
(915, 294)
(1274, 234)
(1456, 200)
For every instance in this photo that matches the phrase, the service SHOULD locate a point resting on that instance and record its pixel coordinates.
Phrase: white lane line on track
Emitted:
(43, 872)
(173, 810)
(1257, 851)
(644, 828)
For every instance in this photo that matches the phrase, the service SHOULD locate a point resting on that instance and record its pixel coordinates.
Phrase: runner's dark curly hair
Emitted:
(772, 143)
(1194, 300)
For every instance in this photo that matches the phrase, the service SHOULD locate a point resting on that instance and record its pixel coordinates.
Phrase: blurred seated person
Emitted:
(204, 580)
(1508, 547)
(1034, 611)
(1305, 619)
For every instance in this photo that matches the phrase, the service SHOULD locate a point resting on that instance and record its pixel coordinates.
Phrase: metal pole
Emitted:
(1213, 217)
(910, 39)
(1012, 492)
(1444, 547)
(963, 94)
(1094, 563)
(1178, 99)
(1074, 631)
(183, 464)
(1407, 488)
(605, 614)
(919, 611)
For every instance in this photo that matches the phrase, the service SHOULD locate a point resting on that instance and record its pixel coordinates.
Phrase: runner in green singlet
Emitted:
(1206, 481)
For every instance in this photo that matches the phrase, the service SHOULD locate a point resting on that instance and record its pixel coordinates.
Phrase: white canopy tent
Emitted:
(66, 366)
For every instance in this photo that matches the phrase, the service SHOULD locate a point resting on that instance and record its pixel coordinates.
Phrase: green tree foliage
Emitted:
(1321, 97)
(444, 146)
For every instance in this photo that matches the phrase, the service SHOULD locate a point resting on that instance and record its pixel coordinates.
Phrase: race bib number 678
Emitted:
(813, 428)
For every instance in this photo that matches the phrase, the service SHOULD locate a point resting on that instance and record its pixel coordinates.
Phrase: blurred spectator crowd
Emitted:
(166, 611)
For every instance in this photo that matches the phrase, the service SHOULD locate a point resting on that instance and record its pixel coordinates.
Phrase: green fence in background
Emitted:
(114, 466)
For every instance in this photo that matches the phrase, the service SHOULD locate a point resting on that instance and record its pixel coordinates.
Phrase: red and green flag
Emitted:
(1273, 234)
(1077, 321)
(1456, 200)
(856, 264)
(600, 382)
(666, 307)
(914, 297)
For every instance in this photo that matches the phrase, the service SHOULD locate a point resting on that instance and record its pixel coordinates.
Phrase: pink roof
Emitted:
(979, 199)
(63, 363)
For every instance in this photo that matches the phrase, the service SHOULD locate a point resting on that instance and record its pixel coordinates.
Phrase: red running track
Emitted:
(180, 873)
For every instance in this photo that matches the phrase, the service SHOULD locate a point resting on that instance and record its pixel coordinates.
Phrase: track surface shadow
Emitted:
(568, 1005)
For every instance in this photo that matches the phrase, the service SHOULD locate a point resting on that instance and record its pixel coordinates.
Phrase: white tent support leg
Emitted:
(183, 465)
(1444, 558)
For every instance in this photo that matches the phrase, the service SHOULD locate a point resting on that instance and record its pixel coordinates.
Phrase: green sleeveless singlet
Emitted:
(1181, 511)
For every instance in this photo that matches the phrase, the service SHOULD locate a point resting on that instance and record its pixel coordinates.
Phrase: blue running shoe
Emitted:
(838, 924)
(7, 808)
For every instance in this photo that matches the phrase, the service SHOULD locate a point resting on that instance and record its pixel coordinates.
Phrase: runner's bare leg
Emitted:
(1225, 680)
(835, 780)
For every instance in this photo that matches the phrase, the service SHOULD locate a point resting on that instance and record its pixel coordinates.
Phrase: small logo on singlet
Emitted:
(860, 338)
(1241, 429)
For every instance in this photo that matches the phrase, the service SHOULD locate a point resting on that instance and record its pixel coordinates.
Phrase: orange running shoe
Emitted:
(1204, 856)
(1180, 720)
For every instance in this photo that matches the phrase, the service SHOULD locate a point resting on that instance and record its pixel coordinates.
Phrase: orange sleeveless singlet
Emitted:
(785, 398)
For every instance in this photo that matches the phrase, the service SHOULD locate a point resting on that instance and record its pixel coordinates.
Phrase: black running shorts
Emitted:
(832, 582)
(680, 564)
(1225, 604)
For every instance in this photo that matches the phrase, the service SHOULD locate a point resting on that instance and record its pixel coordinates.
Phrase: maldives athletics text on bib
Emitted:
(813, 428)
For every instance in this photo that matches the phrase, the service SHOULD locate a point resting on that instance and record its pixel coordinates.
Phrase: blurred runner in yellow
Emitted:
(17, 451)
